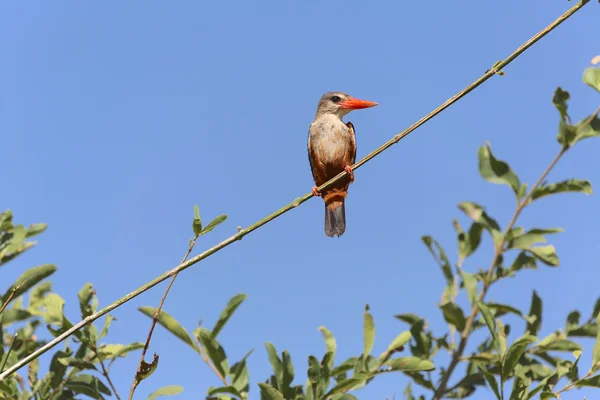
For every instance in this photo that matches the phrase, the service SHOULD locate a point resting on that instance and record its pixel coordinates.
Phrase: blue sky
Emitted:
(118, 117)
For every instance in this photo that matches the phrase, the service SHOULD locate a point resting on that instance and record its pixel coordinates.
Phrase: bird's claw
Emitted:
(348, 169)
(315, 192)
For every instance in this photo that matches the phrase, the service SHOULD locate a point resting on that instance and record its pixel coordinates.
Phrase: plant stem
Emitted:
(138, 371)
(105, 373)
(243, 232)
(499, 249)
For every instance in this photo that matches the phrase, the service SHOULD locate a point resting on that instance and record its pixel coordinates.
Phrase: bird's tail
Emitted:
(335, 213)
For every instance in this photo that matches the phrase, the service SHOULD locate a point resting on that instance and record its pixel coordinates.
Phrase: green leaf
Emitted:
(535, 311)
(491, 380)
(561, 345)
(170, 324)
(591, 76)
(85, 296)
(560, 102)
(523, 261)
(88, 385)
(468, 242)
(197, 222)
(596, 351)
(546, 254)
(6, 389)
(107, 322)
(531, 237)
(501, 309)
(368, 332)
(347, 385)
(76, 362)
(268, 392)
(146, 369)
(488, 317)
(214, 350)
(214, 223)
(330, 344)
(53, 305)
(470, 284)
(275, 362)
(514, 353)
(114, 351)
(233, 304)
(224, 390)
(409, 364)
(396, 345)
(413, 318)
(240, 377)
(29, 279)
(497, 171)
(566, 186)
(165, 391)
(590, 382)
(454, 315)
(440, 257)
(478, 214)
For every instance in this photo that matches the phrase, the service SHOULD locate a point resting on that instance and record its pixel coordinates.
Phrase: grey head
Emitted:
(340, 104)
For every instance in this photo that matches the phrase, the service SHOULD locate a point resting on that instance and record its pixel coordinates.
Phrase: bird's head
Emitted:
(340, 104)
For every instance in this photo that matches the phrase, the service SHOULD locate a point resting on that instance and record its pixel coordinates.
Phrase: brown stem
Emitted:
(105, 373)
(136, 381)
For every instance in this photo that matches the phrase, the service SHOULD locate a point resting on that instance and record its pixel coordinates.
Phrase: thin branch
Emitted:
(105, 373)
(136, 382)
(243, 232)
(499, 249)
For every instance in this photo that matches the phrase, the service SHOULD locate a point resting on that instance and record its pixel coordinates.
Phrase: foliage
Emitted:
(83, 366)
(518, 368)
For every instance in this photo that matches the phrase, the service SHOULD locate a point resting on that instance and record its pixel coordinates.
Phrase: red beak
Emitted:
(355, 104)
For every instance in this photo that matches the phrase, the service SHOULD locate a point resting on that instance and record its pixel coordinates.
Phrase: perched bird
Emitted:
(331, 150)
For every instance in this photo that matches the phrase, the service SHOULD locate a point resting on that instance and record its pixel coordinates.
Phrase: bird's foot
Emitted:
(348, 169)
(315, 192)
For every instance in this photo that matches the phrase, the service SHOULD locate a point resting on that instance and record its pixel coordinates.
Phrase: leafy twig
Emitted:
(498, 250)
(137, 381)
(243, 232)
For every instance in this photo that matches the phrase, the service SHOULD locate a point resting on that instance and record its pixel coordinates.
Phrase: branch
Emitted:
(499, 249)
(136, 380)
(243, 232)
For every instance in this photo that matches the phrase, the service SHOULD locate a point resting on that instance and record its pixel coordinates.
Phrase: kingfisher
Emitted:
(331, 150)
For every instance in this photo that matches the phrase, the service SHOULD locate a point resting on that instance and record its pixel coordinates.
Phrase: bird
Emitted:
(331, 150)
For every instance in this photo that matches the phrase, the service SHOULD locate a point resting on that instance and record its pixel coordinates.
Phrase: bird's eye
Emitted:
(335, 99)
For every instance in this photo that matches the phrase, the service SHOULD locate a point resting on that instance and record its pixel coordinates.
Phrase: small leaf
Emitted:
(396, 344)
(233, 304)
(107, 322)
(214, 350)
(515, 352)
(470, 284)
(170, 324)
(440, 257)
(330, 343)
(29, 279)
(531, 237)
(368, 332)
(566, 186)
(214, 223)
(409, 364)
(268, 392)
(535, 311)
(454, 315)
(413, 318)
(523, 261)
(596, 350)
(88, 385)
(491, 324)
(491, 380)
(77, 363)
(275, 363)
(560, 102)
(590, 382)
(477, 214)
(85, 296)
(546, 254)
(347, 385)
(147, 369)
(165, 391)
(197, 222)
(497, 171)
(591, 76)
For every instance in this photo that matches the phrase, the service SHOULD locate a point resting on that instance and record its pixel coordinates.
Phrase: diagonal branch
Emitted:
(243, 232)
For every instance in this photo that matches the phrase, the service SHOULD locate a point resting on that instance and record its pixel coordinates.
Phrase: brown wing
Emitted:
(353, 142)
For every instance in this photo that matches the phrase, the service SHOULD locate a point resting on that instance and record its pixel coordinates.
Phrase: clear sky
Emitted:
(118, 117)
